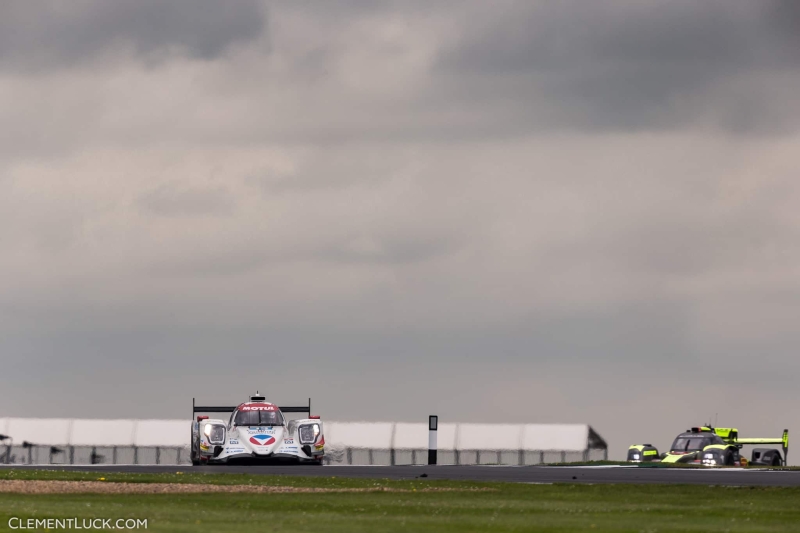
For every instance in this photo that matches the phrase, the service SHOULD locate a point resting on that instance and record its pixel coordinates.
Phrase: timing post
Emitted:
(433, 423)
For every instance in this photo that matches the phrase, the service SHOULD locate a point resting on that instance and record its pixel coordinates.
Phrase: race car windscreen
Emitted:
(258, 418)
(690, 444)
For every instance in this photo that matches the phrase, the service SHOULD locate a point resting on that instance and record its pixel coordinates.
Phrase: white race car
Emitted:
(256, 432)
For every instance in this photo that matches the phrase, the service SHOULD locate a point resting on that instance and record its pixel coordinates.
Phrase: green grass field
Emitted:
(414, 506)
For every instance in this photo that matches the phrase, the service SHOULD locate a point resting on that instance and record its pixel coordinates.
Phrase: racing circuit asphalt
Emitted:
(515, 474)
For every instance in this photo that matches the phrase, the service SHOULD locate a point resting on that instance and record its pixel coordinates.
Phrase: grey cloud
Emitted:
(177, 200)
(784, 17)
(336, 169)
(622, 65)
(369, 248)
(391, 249)
(50, 34)
(696, 242)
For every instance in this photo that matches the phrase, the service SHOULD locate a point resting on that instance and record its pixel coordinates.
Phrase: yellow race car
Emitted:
(711, 446)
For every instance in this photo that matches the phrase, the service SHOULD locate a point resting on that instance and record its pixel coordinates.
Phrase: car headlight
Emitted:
(308, 433)
(636, 457)
(713, 458)
(215, 433)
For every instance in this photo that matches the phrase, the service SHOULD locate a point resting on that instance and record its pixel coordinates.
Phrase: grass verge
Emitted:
(411, 505)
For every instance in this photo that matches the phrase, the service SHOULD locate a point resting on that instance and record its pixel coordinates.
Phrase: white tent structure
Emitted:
(77, 441)
(366, 443)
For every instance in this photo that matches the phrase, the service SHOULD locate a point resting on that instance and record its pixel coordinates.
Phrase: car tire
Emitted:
(194, 457)
(729, 458)
(776, 460)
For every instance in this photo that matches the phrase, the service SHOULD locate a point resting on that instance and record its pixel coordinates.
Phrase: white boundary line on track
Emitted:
(592, 466)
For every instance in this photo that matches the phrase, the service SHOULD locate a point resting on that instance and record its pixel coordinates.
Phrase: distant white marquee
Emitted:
(338, 435)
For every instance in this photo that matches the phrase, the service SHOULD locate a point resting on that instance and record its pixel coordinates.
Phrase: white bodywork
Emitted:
(220, 441)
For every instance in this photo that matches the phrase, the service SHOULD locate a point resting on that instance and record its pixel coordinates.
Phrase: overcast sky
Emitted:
(514, 211)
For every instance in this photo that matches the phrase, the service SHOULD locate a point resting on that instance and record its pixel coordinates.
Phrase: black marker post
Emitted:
(433, 423)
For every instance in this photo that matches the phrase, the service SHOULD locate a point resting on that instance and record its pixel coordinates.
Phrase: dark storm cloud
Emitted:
(622, 65)
(36, 35)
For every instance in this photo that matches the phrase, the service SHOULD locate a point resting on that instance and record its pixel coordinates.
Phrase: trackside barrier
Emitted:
(85, 441)
(462, 457)
(86, 455)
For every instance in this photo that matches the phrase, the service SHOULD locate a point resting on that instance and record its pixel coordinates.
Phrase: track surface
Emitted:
(517, 474)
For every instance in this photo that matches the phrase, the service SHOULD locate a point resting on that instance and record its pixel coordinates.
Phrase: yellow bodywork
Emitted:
(679, 458)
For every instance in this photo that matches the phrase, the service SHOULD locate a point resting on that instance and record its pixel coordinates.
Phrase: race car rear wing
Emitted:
(226, 409)
(731, 436)
(783, 441)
